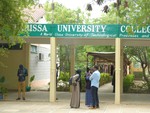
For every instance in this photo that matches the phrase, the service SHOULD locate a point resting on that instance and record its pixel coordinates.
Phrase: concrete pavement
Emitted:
(63, 107)
(38, 102)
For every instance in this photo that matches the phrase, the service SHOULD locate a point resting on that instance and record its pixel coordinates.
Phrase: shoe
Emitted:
(92, 107)
(24, 98)
(97, 106)
(18, 99)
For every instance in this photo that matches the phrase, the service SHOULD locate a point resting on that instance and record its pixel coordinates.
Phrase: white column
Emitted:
(118, 71)
(27, 61)
(53, 70)
(122, 67)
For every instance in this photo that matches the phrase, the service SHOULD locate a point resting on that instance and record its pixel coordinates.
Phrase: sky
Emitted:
(70, 3)
(74, 4)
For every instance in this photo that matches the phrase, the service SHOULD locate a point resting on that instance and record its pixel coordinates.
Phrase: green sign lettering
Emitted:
(88, 31)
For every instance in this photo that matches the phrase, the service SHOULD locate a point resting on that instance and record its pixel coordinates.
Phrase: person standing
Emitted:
(113, 81)
(57, 68)
(95, 78)
(88, 93)
(76, 86)
(22, 73)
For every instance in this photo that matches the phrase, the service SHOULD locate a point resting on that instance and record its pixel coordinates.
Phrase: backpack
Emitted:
(23, 73)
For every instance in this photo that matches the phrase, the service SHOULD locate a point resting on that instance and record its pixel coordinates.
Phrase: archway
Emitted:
(75, 35)
(71, 34)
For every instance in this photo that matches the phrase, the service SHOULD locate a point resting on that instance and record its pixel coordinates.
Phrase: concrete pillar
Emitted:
(118, 71)
(27, 61)
(72, 60)
(122, 67)
(53, 70)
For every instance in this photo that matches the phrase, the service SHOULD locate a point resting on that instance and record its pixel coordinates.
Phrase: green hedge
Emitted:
(64, 76)
(105, 78)
(127, 82)
(62, 84)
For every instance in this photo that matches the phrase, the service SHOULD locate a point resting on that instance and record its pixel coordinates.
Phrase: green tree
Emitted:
(12, 22)
(63, 15)
(138, 11)
(141, 55)
(124, 12)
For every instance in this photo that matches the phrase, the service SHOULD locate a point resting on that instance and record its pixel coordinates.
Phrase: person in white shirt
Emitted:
(95, 80)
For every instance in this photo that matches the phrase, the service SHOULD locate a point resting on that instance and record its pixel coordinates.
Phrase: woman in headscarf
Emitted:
(76, 85)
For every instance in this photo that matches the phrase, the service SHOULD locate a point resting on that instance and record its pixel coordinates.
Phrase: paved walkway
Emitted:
(63, 107)
(37, 102)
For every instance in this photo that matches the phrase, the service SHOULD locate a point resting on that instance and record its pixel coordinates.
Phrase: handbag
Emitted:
(70, 81)
(74, 79)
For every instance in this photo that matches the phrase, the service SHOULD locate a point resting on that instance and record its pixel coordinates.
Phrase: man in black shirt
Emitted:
(22, 73)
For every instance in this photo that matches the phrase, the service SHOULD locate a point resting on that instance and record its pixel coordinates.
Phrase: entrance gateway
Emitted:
(85, 34)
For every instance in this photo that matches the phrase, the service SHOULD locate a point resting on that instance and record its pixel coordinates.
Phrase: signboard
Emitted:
(39, 30)
(87, 31)
(128, 31)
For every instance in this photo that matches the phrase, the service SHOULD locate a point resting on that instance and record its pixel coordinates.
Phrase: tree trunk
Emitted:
(146, 78)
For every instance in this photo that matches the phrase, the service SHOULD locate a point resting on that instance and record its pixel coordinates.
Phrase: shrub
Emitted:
(127, 82)
(62, 86)
(105, 78)
(3, 90)
(63, 82)
(64, 76)
(138, 75)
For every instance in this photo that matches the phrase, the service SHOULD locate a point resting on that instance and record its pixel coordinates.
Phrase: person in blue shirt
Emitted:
(95, 78)
(22, 73)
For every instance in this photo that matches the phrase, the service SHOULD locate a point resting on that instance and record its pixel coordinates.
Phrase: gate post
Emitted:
(52, 93)
(118, 70)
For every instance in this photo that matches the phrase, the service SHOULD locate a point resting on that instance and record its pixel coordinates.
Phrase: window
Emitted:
(33, 49)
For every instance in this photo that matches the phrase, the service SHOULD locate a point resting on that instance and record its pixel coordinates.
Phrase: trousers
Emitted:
(21, 88)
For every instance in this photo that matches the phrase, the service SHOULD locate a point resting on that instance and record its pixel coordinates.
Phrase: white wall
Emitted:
(41, 69)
